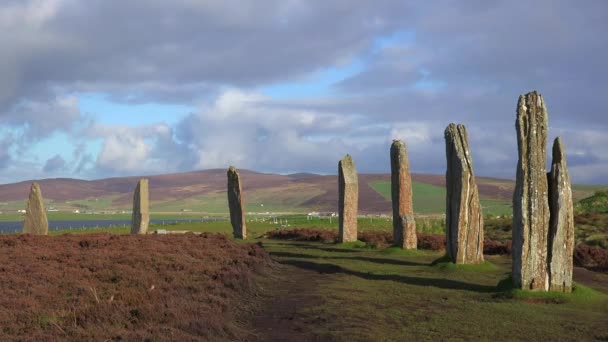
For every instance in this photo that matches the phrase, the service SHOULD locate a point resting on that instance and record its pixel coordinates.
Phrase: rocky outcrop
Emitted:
(348, 199)
(561, 223)
(530, 199)
(140, 219)
(35, 221)
(404, 224)
(236, 205)
(464, 219)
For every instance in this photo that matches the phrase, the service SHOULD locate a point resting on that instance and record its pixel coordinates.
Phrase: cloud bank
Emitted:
(420, 66)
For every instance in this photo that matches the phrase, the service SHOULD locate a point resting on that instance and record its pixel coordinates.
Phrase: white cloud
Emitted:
(413, 132)
(123, 153)
(249, 130)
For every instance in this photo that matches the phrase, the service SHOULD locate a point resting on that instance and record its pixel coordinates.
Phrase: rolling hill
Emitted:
(204, 191)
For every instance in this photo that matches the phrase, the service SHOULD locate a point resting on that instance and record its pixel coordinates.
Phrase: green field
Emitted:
(359, 294)
(69, 216)
(257, 225)
(430, 199)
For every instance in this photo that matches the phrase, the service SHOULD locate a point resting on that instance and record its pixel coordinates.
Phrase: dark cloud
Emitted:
(179, 46)
(54, 164)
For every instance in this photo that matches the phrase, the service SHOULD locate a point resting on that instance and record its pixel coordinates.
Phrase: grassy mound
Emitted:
(597, 203)
(445, 264)
(103, 287)
(579, 294)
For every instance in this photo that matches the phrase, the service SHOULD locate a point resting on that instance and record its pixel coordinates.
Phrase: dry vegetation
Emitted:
(372, 239)
(120, 287)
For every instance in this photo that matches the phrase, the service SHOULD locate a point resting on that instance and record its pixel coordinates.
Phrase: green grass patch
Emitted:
(396, 251)
(430, 199)
(353, 244)
(394, 295)
(598, 202)
(445, 264)
(579, 294)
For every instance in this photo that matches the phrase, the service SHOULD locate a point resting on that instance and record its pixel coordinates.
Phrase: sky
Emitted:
(106, 88)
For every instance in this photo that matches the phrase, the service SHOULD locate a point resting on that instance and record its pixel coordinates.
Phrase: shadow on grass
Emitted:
(435, 282)
(358, 258)
(322, 247)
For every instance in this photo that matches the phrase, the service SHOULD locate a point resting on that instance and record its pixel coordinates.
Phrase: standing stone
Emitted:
(349, 199)
(404, 225)
(530, 199)
(235, 203)
(561, 226)
(141, 212)
(35, 221)
(464, 219)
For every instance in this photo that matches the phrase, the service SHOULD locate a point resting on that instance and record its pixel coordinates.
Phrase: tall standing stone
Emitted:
(404, 225)
(530, 199)
(236, 205)
(35, 221)
(141, 208)
(464, 219)
(348, 199)
(561, 226)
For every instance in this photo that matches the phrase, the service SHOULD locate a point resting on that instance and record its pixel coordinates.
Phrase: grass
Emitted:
(69, 216)
(396, 251)
(580, 294)
(353, 244)
(430, 199)
(582, 191)
(391, 294)
(596, 203)
(445, 264)
(282, 200)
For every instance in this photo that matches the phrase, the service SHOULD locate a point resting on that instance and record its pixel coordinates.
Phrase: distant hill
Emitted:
(204, 191)
(597, 203)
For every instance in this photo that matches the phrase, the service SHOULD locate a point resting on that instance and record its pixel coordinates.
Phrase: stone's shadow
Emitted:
(435, 282)
(321, 248)
(358, 258)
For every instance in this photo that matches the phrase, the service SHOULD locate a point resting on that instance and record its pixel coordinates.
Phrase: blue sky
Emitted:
(279, 86)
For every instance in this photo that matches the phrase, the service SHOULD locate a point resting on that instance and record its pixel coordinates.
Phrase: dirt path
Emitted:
(287, 294)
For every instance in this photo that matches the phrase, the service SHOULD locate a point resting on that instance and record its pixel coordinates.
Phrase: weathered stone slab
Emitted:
(236, 205)
(140, 220)
(348, 204)
(464, 218)
(36, 221)
(530, 199)
(404, 224)
(561, 225)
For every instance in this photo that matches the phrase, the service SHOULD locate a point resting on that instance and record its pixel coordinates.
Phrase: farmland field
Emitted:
(430, 199)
